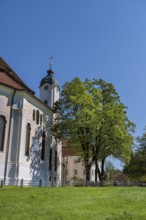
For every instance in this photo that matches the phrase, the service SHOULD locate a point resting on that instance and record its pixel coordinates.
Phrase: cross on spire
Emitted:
(50, 59)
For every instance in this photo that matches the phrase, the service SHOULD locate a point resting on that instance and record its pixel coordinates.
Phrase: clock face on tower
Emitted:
(46, 87)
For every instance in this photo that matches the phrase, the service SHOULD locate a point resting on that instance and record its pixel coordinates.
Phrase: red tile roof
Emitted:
(68, 150)
(9, 78)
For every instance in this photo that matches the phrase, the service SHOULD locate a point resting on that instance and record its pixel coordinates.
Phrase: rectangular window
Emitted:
(37, 117)
(75, 172)
(41, 119)
(43, 146)
(55, 160)
(34, 115)
(66, 160)
(50, 160)
(27, 139)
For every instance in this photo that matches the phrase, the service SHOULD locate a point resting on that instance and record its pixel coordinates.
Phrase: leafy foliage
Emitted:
(91, 115)
(137, 167)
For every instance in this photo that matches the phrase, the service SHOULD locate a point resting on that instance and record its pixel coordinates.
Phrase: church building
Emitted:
(28, 151)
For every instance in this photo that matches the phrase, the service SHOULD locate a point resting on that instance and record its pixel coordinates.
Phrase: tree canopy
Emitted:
(137, 166)
(91, 115)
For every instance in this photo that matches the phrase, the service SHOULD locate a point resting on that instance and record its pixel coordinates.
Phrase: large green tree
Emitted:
(92, 117)
(77, 116)
(113, 138)
(137, 166)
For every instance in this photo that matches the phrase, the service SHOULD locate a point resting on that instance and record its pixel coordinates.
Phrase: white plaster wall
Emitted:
(59, 158)
(51, 95)
(20, 166)
(5, 102)
(47, 95)
(31, 167)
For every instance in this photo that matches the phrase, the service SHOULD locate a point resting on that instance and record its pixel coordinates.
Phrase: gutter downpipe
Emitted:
(8, 140)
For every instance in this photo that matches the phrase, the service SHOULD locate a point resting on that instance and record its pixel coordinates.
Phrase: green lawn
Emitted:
(73, 203)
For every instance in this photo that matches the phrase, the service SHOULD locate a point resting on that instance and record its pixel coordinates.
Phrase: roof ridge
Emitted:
(11, 73)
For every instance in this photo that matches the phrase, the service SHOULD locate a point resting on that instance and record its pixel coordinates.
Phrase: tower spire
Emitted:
(50, 62)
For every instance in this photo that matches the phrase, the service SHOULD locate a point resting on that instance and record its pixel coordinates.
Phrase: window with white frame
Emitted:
(27, 140)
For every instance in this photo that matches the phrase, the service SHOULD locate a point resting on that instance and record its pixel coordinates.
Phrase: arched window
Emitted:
(27, 142)
(37, 117)
(33, 115)
(2, 132)
(43, 146)
(41, 119)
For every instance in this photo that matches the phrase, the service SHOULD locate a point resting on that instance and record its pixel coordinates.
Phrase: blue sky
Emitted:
(87, 38)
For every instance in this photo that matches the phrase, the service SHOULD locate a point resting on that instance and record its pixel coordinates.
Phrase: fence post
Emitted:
(40, 183)
(21, 183)
(2, 183)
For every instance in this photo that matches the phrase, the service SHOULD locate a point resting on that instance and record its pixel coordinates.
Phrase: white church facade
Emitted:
(28, 151)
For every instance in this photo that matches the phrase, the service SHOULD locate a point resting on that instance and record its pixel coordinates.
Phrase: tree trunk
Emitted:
(98, 172)
(102, 168)
(87, 167)
(96, 169)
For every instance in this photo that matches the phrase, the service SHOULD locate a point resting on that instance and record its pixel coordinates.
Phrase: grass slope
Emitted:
(73, 203)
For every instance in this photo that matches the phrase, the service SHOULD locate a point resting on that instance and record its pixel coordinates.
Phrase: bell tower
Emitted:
(49, 94)
(49, 88)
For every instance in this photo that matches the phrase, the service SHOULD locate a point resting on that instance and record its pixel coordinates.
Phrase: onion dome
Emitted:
(49, 78)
